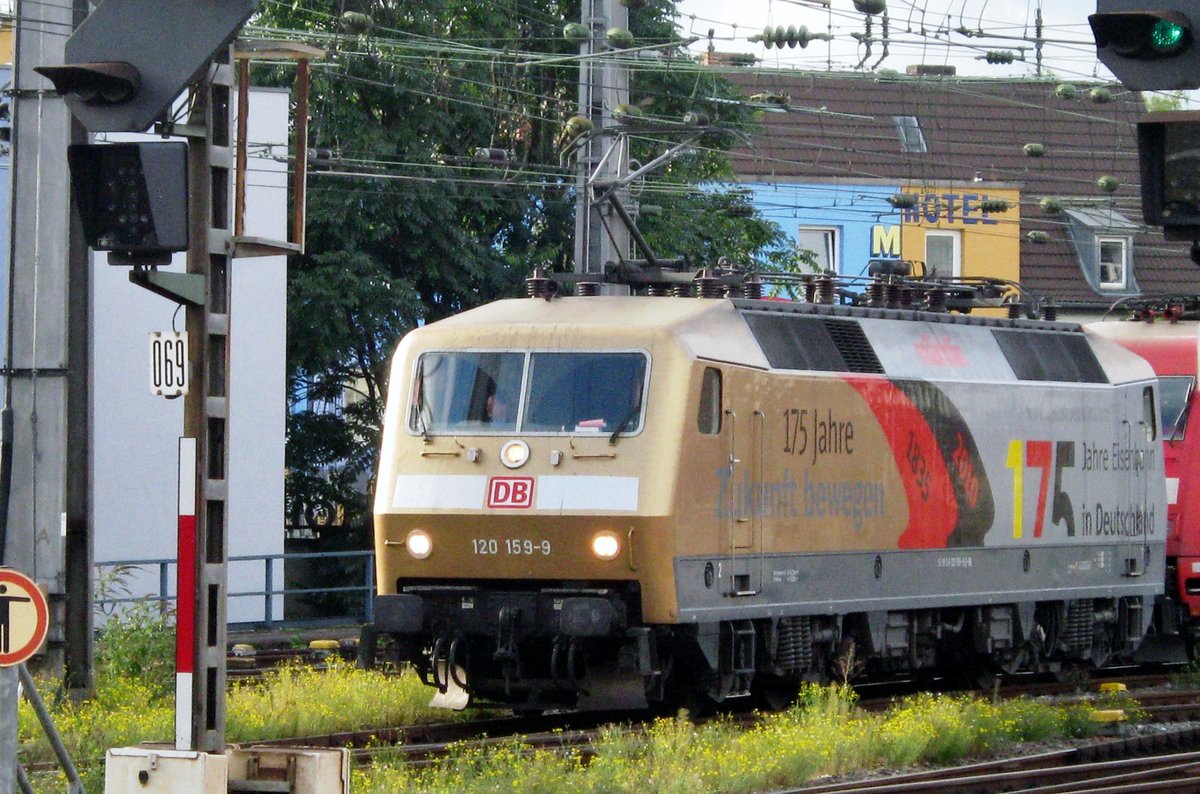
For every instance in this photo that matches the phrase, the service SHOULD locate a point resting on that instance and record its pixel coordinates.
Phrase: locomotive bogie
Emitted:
(726, 497)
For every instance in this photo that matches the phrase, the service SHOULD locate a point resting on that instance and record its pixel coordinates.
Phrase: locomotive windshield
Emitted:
(1175, 392)
(457, 392)
(481, 392)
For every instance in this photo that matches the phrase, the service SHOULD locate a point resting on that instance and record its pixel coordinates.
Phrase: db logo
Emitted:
(509, 492)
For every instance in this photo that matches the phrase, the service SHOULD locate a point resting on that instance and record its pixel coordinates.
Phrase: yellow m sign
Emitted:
(885, 240)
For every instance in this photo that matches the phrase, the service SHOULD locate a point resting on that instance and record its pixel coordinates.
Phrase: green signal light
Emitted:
(1167, 37)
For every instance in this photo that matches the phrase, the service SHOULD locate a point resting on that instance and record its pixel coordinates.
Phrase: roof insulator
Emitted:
(1051, 206)
(574, 128)
(791, 35)
(357, 23)
(1108, 183)
(1066, 91)
(619, 38)
(768, 98)
(1034, 149)
(491, 156)
(870, 6)
(627, 114)
(576, 33)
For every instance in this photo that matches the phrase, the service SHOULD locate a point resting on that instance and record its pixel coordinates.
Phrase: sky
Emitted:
(919, 32)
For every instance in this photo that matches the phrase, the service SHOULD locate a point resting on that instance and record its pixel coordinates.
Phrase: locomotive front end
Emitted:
(514, 506)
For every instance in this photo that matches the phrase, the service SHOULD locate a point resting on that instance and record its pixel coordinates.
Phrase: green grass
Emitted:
(825, 734)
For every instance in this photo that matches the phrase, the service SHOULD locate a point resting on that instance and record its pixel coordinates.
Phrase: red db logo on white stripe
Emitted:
(510, 492)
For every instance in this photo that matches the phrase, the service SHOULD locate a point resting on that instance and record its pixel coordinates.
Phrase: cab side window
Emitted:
(708, 420)
(1149, 414)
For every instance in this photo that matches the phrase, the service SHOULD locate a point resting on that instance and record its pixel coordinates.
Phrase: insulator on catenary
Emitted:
(875, 294)
(753, 286)
(708, 285)
(891, 294)
(810, 289)
(936, 299)
(826, 289)
(538, 285)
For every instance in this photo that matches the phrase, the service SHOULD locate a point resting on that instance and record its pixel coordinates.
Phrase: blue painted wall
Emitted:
(855, 209)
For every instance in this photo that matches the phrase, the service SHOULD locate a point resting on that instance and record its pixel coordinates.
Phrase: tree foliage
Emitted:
(413, 217)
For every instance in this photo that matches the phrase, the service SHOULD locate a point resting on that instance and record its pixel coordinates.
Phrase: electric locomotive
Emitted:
(621, 501)
(1164, 331)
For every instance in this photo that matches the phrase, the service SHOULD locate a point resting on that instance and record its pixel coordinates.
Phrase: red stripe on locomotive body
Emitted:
(932, 506)
(1176, 355)
(975, 509)
(1167, 355)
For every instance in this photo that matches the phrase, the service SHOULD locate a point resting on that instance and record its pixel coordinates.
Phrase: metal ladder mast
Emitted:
(206, 406)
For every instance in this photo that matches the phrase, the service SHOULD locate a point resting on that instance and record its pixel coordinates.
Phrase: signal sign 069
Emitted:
(168, 363)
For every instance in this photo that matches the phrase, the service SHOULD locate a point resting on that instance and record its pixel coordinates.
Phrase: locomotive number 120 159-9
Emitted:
(516, 547)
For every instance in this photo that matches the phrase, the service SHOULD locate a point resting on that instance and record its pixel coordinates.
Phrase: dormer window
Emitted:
(1103, 241)
(1113, 258)
(909, 129)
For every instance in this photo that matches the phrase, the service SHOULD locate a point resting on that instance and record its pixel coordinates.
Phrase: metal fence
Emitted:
(269, 592)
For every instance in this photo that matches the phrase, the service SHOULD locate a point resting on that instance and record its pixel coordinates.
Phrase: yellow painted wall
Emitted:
(6, 44)
(991, 241)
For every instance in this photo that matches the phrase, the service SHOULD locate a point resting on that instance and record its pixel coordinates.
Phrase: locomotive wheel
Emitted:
(1073, 673)
(1192, 645)
(681, 692)
(774, 693)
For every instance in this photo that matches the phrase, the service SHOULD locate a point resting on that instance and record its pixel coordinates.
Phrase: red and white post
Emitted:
(185, 596)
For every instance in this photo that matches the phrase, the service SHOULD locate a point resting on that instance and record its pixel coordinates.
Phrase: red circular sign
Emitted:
(24, 617)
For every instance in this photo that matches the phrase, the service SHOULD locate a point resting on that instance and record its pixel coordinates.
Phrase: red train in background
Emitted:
(1166, 333)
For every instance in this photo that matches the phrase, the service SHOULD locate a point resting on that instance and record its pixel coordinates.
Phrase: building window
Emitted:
(1113, 262)
(1103, 241)
(943, 253)
(909, 128)
(822, 241)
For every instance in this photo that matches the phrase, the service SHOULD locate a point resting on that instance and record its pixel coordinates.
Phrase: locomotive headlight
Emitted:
(606, 545)
(419, 544)
(514, 454)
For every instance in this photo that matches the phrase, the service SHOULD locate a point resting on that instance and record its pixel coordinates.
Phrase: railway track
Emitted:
(246, 662)
(1054, 771)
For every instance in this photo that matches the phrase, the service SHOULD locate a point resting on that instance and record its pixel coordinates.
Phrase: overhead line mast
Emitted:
(603, 159)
